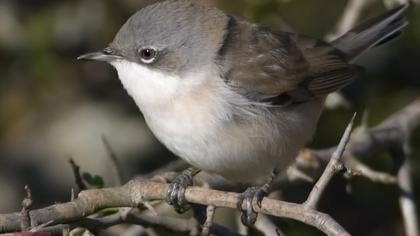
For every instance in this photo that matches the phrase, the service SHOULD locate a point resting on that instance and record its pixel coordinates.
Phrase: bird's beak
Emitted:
(106, 55)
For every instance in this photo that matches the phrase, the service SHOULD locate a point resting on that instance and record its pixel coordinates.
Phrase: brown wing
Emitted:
(281, 67)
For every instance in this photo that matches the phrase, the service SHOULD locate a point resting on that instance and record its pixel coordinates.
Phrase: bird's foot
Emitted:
(175, 195)
(251, 195)
(246, 202)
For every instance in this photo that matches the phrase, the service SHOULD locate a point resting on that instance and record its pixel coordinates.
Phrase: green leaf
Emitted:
(95, 181)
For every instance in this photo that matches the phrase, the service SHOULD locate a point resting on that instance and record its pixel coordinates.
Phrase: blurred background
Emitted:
(53, 107)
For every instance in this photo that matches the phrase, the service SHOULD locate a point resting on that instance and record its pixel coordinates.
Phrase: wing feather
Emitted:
(269, 66)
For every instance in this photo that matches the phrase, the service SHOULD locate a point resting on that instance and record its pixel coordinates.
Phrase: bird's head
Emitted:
(163, 43)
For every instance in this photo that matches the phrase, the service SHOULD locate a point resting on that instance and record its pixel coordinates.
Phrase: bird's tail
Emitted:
(371, 33)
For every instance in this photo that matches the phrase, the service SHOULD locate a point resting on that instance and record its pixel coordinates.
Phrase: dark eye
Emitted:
(147, 55)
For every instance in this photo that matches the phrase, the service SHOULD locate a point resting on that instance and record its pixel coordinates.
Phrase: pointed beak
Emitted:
(106, 55)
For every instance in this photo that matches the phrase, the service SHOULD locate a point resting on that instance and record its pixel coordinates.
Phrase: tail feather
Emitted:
(371, 33)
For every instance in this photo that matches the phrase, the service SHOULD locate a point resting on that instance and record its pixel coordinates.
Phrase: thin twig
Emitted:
(200, 216)
(406, 199)
(25, 220)
(209, 220)
(332, 168)
(77, 177)
(365, 171)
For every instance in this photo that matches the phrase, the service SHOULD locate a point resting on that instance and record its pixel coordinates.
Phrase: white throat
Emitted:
(147, 87)
(196, 92)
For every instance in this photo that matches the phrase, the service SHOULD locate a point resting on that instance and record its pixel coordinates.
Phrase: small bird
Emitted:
(229, 96)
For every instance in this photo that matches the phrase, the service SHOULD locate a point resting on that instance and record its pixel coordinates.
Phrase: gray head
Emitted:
(169, 36)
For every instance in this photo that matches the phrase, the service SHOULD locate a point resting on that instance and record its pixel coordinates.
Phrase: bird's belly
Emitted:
(224, 134)
(238, 152)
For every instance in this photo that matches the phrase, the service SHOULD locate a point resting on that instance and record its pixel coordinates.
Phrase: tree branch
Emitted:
(406, 199)
(391, 132)
(136, 191)
(333, 167)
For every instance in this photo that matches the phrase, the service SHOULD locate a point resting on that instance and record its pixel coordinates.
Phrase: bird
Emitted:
(229, 96)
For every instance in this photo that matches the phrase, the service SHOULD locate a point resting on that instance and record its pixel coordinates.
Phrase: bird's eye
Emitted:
(147, 55)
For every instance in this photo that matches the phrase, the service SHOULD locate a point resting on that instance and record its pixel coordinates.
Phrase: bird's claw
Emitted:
(175, 195)
(245, 204)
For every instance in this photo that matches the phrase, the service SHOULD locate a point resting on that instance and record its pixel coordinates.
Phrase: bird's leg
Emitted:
(176, 191)
(251, 194)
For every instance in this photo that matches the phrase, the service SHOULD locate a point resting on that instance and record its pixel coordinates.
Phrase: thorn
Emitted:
(76, 172)
(294, 173)
(25, 223)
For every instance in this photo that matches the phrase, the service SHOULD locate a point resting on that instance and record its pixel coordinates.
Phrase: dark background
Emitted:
(53, 107)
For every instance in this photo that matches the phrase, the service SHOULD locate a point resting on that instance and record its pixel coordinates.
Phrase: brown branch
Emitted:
(135, 192)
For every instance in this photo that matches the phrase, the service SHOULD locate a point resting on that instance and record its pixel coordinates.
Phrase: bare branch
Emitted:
(365, 171)
(385, 135)
(392, 134)
(332, 168)
(209, 220)
(407, 200)
(135, 192)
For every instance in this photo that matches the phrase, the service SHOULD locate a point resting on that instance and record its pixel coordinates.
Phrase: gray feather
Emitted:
(371, 33)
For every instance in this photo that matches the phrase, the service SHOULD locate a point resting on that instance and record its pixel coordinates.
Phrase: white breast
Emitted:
(196, 117)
